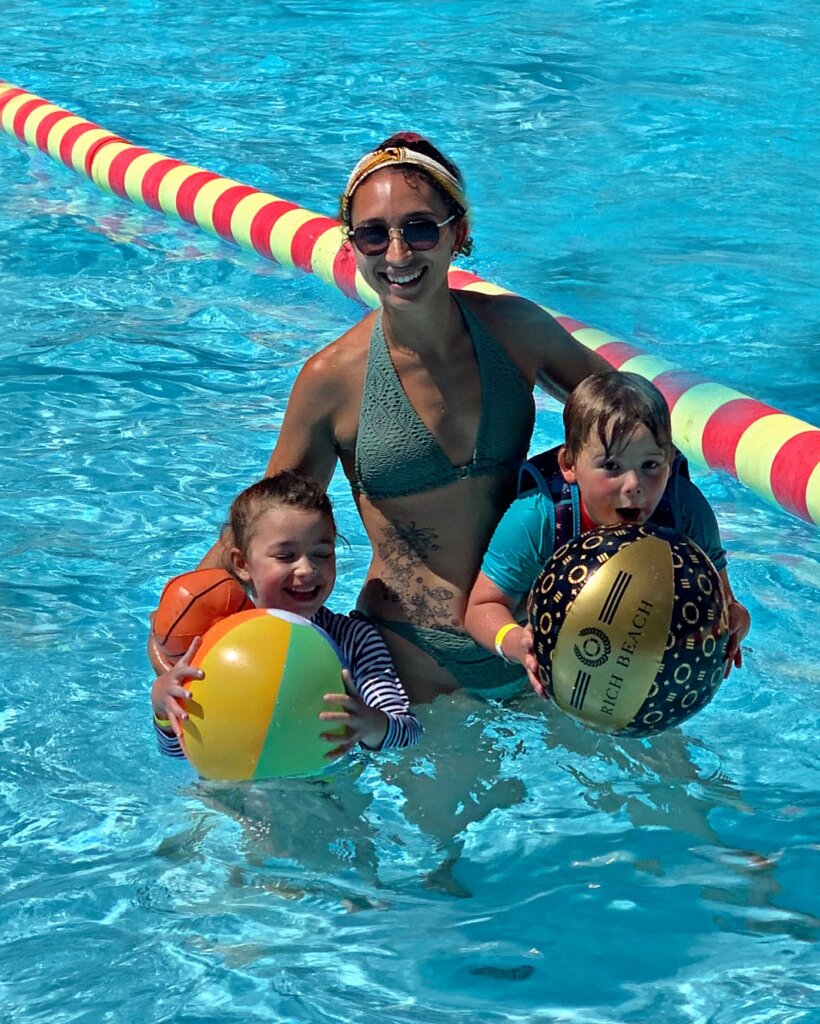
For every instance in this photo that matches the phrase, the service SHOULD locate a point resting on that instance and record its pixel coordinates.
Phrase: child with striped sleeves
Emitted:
(285, 550)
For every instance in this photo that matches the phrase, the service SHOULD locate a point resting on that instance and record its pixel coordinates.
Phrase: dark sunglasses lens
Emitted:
(371, 239)
(421, 234)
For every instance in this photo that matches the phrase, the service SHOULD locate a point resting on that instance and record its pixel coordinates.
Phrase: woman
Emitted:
(428, 404)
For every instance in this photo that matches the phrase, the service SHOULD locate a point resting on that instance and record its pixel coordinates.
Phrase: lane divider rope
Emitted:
(776, 455)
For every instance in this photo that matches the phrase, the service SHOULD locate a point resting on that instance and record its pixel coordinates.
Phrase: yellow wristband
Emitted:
(499, 638)
(163, 723)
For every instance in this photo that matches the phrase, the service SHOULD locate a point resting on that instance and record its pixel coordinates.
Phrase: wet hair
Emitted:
(614, 405)
(288, 489)
(419, 144)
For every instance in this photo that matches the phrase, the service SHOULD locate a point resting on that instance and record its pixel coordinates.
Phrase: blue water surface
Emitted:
(650, 170)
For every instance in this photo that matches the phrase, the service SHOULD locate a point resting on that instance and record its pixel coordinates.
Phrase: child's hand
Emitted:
(518, 645)
(530, 662)
(362, 723)
(739, 623)
(168, 691)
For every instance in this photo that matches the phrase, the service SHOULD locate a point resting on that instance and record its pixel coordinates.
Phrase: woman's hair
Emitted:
(288, 489)
(614, 405)
(416, 143)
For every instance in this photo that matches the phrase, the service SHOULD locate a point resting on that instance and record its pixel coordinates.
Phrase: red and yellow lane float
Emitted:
(774, 454)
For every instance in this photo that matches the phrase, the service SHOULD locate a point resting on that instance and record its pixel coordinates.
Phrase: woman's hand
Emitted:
(168, 691)
(362, 723)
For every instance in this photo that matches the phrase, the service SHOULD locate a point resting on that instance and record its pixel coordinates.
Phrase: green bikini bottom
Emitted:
(474, 668)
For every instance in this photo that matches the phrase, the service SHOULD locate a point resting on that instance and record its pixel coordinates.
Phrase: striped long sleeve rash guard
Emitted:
(371, 671)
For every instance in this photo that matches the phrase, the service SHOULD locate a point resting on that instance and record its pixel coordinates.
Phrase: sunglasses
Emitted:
(418, 235)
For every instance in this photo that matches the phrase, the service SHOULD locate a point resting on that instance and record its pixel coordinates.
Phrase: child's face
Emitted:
(290, 561)
(624, 487)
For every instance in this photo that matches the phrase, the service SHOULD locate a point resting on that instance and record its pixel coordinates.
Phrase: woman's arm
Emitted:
(562, 361)
(307, 440)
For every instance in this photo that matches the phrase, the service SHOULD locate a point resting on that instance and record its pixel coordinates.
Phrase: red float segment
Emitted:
(152, 181)
(617, 353)
(24, 111)
(262, 225)
(571, 325)
(224, 208)
(11, 94)
(305, 238)
(673, 384)
(461, 278)
(67, 143)
(791, 470)
(189, 190)
(44, 128)
(344, 272)
(725, 427)
(94, 149)
(119, 168)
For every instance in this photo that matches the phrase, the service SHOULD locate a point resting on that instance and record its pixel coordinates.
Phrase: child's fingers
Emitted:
(344, 741)
(342, 699)
(537, 685)
(531, 666)
(348, 685)
(334, 716)
(192, 649)
(732, 652)
(342, 748)
(180, 692)
(173, 714)
(176, 721)
(734, 660)
(181, 672)
(173, 709)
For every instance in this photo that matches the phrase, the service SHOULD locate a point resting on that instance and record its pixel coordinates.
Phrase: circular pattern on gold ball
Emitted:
(630, 629)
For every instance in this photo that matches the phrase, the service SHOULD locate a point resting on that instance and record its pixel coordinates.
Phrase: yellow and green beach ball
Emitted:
(255, 715)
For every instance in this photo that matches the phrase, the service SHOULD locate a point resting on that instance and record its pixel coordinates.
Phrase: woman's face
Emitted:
(391, 198)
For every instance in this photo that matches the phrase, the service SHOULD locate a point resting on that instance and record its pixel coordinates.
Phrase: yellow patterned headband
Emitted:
(395, 155)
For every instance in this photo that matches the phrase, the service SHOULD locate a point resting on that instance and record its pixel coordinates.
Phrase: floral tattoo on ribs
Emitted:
(404, 549)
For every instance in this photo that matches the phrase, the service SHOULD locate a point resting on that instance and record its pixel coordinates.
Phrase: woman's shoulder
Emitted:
(504, 310)
(525, 330)
(515, 321)
(341, 362)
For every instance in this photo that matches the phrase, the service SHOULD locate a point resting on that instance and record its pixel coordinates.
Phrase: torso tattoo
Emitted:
(403, 549)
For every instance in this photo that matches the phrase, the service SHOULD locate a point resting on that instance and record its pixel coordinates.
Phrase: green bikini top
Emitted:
(397, 455)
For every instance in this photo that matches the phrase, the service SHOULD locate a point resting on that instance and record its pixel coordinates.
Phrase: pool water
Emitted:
(649, 171)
